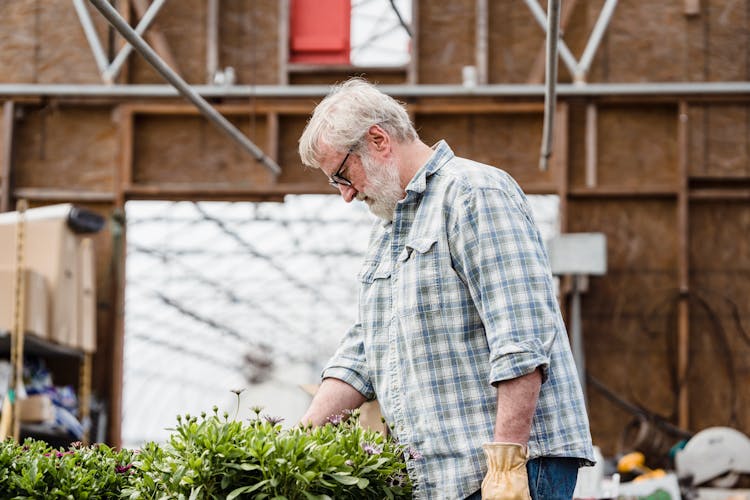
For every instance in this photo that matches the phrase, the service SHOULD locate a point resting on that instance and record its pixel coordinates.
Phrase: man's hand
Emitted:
(506, 477)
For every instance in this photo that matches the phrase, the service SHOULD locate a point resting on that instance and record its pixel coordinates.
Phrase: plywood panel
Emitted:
(719, 237)
(183, 25)
(249, 33)
(641, 234)
(18, 40)
(637, 146)
(644, 42)
(292, 171)
(727, 44)
(719, 140)
(514, 41)
(66, 148)
(189, 150)
(63, 54)
(720, 281)
(628, 318)
(446, 40)
(507, 141)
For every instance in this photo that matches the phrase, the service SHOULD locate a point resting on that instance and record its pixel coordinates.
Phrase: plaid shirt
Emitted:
(456, 294)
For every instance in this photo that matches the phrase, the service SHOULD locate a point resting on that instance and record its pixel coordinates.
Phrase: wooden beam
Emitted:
(63, 195)
(592, 138)
(283, 78)
(117, 327)
(212, 40)
(123, 7)
(476, 107)
(124, 171)
(560, 163)
(482, 41)
(275, 192)
(272, 147)
(719, 195)
(683, 270)
(665, 191)
(412, 72)
(7, 155)
(155, 37)
(536, 75)
(304, 108)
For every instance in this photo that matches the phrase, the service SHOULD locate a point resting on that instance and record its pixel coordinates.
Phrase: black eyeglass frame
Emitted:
(337, 179)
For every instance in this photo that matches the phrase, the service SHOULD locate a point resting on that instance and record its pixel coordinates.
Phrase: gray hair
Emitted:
(343, 118)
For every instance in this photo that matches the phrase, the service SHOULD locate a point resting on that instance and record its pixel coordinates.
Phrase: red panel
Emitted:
(319, 31)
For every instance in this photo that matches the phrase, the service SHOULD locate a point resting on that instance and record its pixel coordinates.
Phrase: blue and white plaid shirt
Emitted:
(456, 294)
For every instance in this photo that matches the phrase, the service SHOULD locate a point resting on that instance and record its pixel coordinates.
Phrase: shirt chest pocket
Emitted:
(418, 277)
(375, 294)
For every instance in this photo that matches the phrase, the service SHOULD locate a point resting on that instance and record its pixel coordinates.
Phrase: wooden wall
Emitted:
(666, 178)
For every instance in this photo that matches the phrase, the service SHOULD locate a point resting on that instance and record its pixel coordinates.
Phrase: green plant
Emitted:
(214, 457)
(35, 470)
(217, 458)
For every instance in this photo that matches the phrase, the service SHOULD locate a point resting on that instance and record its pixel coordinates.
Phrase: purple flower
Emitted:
(413, 454)
(121, 469)
(335, 419)
(396, 481)
(350, 463)
(371, 449)
(273, 420)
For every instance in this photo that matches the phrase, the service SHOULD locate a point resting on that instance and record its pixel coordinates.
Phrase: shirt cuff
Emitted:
(516, 360)
(351, 377)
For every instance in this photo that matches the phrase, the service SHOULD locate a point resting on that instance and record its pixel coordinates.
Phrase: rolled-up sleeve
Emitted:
(499, 253)
(349, 363)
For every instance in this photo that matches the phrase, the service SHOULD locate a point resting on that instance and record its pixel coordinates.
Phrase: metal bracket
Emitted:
(578, 69)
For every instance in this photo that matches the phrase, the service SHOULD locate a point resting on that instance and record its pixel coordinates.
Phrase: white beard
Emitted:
(384, 188)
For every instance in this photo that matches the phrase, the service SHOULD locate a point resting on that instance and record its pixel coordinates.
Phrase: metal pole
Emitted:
(565, 53)
(111, 72)
(576, 333)
(738, 90)
(553, 29)
(91, 36)
(595, 39)
(181, 85)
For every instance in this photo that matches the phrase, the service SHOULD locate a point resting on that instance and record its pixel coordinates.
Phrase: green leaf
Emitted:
(344, 478)
(310, 496)
(363, 483)
(245, 489)
(195, 492)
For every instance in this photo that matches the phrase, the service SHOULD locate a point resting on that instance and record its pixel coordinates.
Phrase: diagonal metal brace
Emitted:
(181, 85)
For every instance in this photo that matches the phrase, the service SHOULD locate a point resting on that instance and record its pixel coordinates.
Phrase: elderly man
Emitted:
(459, 334)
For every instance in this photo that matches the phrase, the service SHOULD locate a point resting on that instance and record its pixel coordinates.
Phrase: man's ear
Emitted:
(379, 138)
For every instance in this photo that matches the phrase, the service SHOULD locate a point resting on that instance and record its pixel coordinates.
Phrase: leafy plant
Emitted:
(35, 470)
(217, 458)
(214, 457)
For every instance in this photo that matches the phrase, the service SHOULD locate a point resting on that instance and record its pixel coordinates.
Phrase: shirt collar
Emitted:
(442, 154)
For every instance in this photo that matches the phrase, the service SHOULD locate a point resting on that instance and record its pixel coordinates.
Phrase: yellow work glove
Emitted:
(506, 477)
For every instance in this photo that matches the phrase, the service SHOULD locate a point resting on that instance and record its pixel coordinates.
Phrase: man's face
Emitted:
(382, 190)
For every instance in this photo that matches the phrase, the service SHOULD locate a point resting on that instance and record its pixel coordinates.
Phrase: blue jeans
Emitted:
(550, 478)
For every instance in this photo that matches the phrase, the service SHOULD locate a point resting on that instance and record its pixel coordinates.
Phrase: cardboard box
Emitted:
(51, 249)
(86, 296)
(36, 317)
(36, 408)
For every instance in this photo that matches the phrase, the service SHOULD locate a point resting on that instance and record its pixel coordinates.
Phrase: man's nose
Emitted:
(347, 192)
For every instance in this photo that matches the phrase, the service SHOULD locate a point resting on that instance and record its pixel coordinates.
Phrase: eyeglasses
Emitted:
(337, 179)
